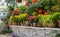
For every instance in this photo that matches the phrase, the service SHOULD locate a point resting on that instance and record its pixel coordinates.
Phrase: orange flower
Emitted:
(31, 17)
(34, 1)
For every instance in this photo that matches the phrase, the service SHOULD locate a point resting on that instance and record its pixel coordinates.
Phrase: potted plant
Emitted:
(30, 18)
(57, 18)
(22, 18)
(34, 21)
(39, 23)
(47, 21)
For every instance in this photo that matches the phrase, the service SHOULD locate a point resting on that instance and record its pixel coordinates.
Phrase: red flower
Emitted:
(46, 13)
(31, 18)
(40, 11)
(26, 3)
(15, 11)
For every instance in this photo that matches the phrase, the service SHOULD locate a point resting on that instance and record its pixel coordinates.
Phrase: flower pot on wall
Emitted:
(51, 25)
(58, 23)
(34, 24)
(19, 1)
(39, 24)
(26, 23)
(14, 23)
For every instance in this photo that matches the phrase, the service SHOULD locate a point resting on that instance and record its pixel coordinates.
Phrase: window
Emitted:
(0, 0)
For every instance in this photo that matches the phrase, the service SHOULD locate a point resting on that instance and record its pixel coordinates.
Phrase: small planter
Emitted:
(14, 23)
(34, 24)
(49, 24)
(21, 24)
(39, 24)
(58, 23)
(26, 23)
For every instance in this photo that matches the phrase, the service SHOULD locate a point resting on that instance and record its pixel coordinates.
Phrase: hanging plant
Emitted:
(19, 1)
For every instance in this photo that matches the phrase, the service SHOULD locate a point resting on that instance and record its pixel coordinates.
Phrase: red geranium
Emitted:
(31, 18)
(26, 3)
(15, 11)
(46, 13)
(40, 11)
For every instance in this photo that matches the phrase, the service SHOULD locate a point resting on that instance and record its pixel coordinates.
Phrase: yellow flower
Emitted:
(17, 16)
(34, 13)
(10, 19)
(40, 15)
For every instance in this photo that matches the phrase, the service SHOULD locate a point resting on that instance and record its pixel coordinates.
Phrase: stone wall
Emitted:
(2, 26)
(23, 31)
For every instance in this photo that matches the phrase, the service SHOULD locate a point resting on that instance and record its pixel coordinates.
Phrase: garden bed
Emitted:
(25, 31)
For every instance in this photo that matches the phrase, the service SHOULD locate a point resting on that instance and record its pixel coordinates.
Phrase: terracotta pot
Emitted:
(51, 25)
(34, 24)
(14, 23)
(26, 23)
(21, 23)
(58, 23)
(39, 24)
(19, 1)
(30, 24)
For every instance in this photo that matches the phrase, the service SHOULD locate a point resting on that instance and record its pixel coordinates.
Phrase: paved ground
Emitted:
(3, 35)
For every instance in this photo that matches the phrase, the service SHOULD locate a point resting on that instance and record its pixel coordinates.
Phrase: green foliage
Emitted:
(56, 16)
(14, 19)
(45, 4)
(10, 8)
(22, 9)
(46, 20)
(35, 20)
(57, 35)
(7, 30)
(8, 16)
(32, 8)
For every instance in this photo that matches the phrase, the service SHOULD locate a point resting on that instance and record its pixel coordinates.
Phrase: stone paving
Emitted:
(4, 35)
